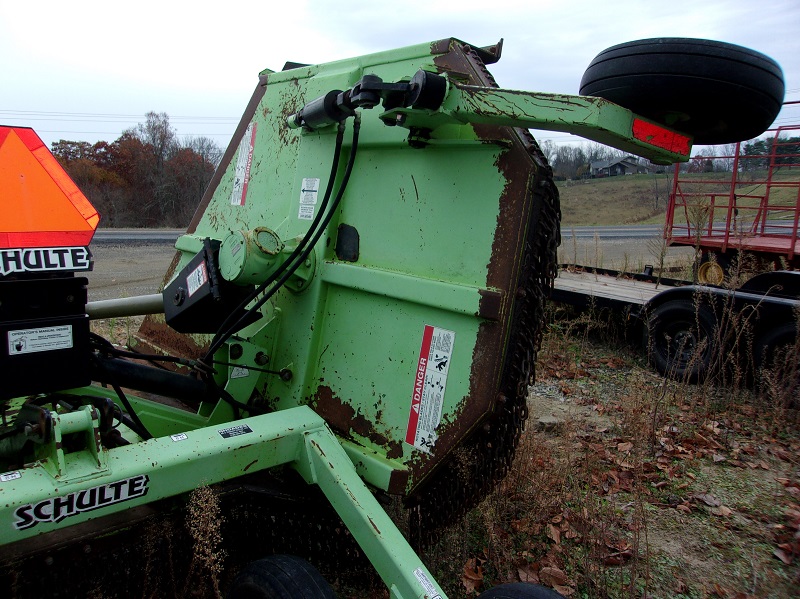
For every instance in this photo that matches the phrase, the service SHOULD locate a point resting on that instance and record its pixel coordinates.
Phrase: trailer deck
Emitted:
(601, 288)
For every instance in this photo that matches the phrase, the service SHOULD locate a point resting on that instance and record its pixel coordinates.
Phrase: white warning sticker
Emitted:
(197, 278)
(430, 381)
(244, 161)
(28, 341)
(308, 198)
(426, 584)
(239, 372)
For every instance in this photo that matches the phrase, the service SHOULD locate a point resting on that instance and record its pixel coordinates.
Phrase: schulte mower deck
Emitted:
(372, 321)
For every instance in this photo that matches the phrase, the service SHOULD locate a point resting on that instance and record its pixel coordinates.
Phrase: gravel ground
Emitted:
(128, 270)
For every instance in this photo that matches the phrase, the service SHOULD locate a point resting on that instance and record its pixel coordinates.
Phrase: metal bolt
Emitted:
(262, 359)
(236, 351)
(286, 375)
(180, 296)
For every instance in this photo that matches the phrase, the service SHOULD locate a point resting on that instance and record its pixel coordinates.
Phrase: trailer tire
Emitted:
(520, 590)
(717, 92)
(777, 353)
(680, 340)
(280, 577)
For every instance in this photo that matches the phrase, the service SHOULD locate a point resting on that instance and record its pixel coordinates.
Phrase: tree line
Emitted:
(148, 177)
(573, 161)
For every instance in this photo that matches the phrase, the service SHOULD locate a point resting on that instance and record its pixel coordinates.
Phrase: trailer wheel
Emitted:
(717, 92)
(520, 590)
(777, 357)
(280, 577)
(680, 340)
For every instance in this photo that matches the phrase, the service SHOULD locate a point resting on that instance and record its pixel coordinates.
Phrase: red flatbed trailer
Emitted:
(752, 206)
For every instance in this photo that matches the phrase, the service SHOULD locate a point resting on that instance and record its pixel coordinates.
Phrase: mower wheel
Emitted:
(280, 577)
(680, 340)
(520, 590)
(717, 92)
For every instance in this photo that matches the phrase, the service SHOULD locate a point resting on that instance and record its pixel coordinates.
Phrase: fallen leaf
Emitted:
(552, 576)
(564, 590)
(708, 499)
(554, 533)
(718, 457)
(783, 556)
(527, 573)
(721, 511)
(706, 441)
(623, 447)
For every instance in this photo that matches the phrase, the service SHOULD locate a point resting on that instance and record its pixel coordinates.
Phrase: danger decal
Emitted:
(244, 162)
(430, 382)
(72, 504)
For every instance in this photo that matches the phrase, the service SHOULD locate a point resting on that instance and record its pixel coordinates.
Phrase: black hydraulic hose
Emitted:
(229, 325)
(152, 380)
(140, 428)
(317, 234)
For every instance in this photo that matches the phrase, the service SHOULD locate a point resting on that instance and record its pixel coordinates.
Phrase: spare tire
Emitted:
(717, 92)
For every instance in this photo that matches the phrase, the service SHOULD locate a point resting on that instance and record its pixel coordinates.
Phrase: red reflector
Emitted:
(661, 137)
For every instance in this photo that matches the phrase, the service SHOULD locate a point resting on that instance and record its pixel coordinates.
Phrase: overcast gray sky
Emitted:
(88, 69)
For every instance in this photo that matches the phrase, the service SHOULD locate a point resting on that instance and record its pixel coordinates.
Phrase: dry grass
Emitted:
(630, 485)
(624, 200)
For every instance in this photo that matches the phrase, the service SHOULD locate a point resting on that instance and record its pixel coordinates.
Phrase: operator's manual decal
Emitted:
(28, 341)
(308, 198)
(430, 380)
(244, 161)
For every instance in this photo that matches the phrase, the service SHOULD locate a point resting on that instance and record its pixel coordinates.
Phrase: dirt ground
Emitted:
(127, 271)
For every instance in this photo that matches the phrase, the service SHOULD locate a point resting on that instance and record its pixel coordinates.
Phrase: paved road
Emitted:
(157, 236)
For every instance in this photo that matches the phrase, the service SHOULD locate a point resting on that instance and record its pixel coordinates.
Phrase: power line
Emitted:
(65, 116)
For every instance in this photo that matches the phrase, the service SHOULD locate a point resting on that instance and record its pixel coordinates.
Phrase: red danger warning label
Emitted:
(430, 381)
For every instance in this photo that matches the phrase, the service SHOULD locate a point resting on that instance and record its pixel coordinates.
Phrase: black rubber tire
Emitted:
(717, 92)
(520, 590)
(777, 351)
(280, 577)
(674, 334)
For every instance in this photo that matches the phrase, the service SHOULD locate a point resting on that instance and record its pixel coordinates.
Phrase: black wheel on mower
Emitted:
(280, 577)
(680, 340)
(717, 92)
(520, 590)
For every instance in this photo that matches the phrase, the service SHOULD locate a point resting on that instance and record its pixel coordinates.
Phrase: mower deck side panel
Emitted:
(438, 230)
